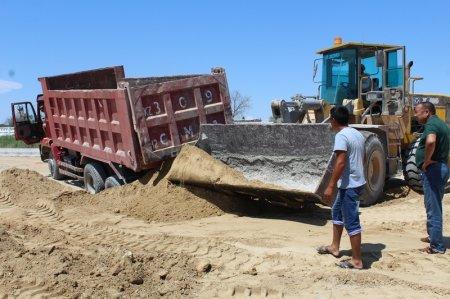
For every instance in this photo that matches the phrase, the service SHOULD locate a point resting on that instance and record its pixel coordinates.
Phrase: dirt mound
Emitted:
(28, 186)
(152, 198)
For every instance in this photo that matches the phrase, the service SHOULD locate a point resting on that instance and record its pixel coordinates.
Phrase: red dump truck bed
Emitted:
(134, 122)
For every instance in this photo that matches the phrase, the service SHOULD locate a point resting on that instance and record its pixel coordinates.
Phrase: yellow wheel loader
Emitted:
(291, 158)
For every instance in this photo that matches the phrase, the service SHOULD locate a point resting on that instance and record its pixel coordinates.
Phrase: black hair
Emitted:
(340, 114)
(429, 106)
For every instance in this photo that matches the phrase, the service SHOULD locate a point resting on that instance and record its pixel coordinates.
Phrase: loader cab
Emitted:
(360, 71)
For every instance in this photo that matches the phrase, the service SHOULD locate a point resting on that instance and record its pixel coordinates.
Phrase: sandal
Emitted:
(347, 265)
(325, 250)
(430, 250)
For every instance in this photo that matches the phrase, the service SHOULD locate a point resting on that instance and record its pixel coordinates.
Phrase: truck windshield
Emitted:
(339, 76)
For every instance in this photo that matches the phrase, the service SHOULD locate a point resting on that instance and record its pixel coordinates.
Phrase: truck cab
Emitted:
(29, 124)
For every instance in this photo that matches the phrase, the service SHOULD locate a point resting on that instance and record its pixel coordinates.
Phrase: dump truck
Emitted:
(105, 129)
(293, 156)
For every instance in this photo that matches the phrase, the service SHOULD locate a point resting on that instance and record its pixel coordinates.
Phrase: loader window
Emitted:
(339, 76)
(371, 71)
(394, 72)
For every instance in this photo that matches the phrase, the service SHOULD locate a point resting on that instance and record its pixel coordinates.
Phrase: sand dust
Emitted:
(55, 241)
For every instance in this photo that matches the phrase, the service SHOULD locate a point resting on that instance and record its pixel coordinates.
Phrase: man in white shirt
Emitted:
(348, 176)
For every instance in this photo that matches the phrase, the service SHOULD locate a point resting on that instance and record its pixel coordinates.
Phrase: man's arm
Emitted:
(339, 167)
(430, 146)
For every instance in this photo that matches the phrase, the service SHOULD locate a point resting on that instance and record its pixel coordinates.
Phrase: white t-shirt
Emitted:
(352, 142)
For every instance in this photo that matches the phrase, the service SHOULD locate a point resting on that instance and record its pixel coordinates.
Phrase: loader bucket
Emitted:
(287, 164)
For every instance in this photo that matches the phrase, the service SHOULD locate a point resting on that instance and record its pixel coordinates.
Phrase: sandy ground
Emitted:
(59, 242)
(33, 163)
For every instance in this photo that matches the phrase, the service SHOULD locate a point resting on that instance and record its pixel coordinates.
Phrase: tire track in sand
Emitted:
(220, 254)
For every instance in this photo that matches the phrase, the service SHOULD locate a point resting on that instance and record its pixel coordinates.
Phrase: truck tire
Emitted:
(94, 177)
(54, 169)
(374, 171)
(411, 173)
(113, 181)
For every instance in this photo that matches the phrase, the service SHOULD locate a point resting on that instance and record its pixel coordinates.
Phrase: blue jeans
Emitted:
(345, 209)
(434, 180)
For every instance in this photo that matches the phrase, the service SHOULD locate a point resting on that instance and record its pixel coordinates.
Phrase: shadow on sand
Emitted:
(371, 252)
(313, 214)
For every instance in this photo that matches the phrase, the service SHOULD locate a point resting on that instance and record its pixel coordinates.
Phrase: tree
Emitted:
(239, 104)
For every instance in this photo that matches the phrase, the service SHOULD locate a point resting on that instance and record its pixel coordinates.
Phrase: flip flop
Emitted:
(430, 250)
(347, 265)
(425, 239)
(324, 250)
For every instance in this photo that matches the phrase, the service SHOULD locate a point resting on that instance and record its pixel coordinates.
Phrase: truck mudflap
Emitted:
(287, 164)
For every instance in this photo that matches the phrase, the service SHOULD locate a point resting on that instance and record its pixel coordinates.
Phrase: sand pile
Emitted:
(152, 198)
(28, 186)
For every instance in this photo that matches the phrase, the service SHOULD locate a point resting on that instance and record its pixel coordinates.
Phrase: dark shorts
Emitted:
(345, 209)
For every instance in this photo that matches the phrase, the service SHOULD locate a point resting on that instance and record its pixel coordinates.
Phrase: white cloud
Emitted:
(7, 86)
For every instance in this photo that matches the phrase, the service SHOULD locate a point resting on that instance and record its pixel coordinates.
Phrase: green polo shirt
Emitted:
(435, 126)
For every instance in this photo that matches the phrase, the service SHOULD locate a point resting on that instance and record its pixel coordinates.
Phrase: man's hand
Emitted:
(430, 145)
(328, 194)
(426, 164)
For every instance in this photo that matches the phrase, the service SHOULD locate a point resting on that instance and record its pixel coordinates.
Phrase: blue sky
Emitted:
(266, 47)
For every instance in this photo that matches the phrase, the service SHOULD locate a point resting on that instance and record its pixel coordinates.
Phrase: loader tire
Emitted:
(411, 173)
(94, 177)
(54, 169)
(113, 181)
(374, 171)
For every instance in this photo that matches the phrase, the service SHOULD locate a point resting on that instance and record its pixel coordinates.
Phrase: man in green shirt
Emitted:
(431, 158)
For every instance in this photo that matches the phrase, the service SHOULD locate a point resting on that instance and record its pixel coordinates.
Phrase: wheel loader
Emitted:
(291, 158)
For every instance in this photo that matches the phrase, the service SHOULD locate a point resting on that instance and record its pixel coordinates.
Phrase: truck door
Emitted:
(27, 126)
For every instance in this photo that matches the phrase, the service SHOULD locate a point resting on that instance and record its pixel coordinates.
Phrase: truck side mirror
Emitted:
(379, 55)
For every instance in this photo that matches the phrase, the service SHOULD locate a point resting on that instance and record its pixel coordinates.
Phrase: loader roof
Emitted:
(356, 45)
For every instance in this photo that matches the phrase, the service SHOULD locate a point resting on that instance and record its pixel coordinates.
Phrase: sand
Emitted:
(57, 241)
(193, 166)
(154, 198)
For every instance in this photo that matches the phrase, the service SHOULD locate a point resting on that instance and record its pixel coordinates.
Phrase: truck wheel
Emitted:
(94, 177)
(113, 181)
(54, 169)
(374, 170)
(411, 173)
